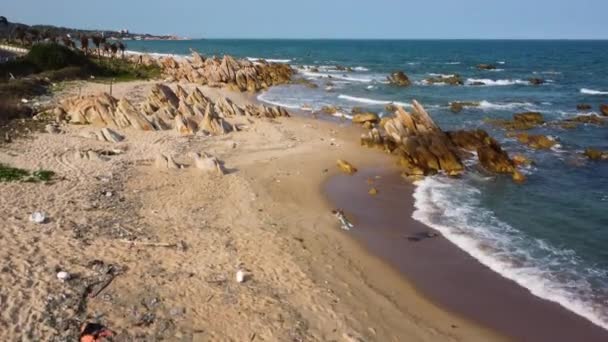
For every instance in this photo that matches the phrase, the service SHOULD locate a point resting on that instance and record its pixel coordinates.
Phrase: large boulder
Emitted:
(362, 118)
(494, 159)
(470, 140)
(604, 109)
(595, 154)
(399, 78)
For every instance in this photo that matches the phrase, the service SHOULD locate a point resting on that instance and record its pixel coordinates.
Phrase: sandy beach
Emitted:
(153, 253)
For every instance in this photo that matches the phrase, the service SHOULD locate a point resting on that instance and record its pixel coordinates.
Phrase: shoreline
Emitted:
(387, 229)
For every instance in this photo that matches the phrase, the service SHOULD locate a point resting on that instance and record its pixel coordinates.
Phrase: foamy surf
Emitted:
(504, 106)
(490, 82)
(593, 92)
(453, 207)
(371, 101)
(269, 60)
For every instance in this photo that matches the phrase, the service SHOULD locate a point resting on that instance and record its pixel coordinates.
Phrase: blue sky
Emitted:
(566, 19)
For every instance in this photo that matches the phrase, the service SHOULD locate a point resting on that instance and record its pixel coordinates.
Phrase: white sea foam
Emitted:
(360, 68)
(311, 74)
(269, 60)
(502, 62)
(441, 75)
(453, 207)
(489, 82)
(503, 106)
(371, 101)
(263, 97)
(593, 92)
(452, 63)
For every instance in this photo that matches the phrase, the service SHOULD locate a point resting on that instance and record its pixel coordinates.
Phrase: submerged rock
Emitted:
(457, 107)
(521, 121)
(536, 81)
(539, 142)
(583, 106)
(486, 66)
(445, 79)
(399, 78)
(595, 154)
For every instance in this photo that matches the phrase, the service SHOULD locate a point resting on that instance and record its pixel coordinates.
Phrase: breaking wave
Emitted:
(593, 92)
(489, 82)
(371, 101)
(256, 59)
(454, 208)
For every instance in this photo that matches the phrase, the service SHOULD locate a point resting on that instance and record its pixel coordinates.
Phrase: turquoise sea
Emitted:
(549, 235)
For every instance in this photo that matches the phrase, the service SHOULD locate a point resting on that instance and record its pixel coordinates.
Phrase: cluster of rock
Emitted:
(520, 121)
(424, 149)
(399, 78)
(459, 106)
(445, 79)
(241, 74)
(163, 109)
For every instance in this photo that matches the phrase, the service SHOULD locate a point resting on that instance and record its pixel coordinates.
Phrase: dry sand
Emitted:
(308, 280)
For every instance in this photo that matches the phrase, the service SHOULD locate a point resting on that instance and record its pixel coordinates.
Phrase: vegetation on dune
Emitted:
(12, 174)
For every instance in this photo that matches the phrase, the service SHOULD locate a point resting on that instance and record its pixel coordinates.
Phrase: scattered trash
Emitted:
(345, 224)
(63, 276)
(94, 332)
(241, 276)
(38, 217)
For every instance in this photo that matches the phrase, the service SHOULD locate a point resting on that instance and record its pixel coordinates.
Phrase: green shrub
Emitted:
(50, 56)
(12, 174)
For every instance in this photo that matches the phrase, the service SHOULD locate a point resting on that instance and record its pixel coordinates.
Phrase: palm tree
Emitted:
(114, 49)
(122, 47)
(84, 43)
(98, 40)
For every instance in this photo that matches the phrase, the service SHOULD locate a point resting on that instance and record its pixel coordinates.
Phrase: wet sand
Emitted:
(441, 271)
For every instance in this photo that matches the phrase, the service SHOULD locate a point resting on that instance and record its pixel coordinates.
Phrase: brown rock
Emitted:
(521, 160)
(494, 159)
(595, 154)
(457, 107)
(536, 81)
(346, 167)
(399, 78)
(373, 191)
(539, 142)
(518, 177)
(450, 80)
(604, 109)
(366, 117)
(486, 67)
(583, 106)
(470, 140)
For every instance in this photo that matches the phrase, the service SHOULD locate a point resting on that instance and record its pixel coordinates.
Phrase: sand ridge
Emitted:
(190, 232)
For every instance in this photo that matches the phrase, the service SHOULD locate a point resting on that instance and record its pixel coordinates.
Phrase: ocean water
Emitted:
(549, 235)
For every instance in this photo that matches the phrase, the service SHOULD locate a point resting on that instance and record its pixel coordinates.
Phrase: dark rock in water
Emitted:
(450, 80)
(494, 159)
(604, 109)
(583, 119)
(583, 106)
(536, 81)
(457, 107)
(470, 140)
(595, 154)
(477, 83)
(530, 118)
(486, 67)
(399, 78)
(539, 142)
(521, 121)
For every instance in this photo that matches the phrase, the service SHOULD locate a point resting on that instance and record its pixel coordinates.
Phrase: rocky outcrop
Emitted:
(424, 149)
(521, 121)
(536, 81)
(583, 119)
(164, 109)
(604, 109)
(539, 142)
(583, 106)
(595, 154)
(243, 74)
(363, 118)
(399, 78)
(486, 66)
(445, 79)
(457, 107)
